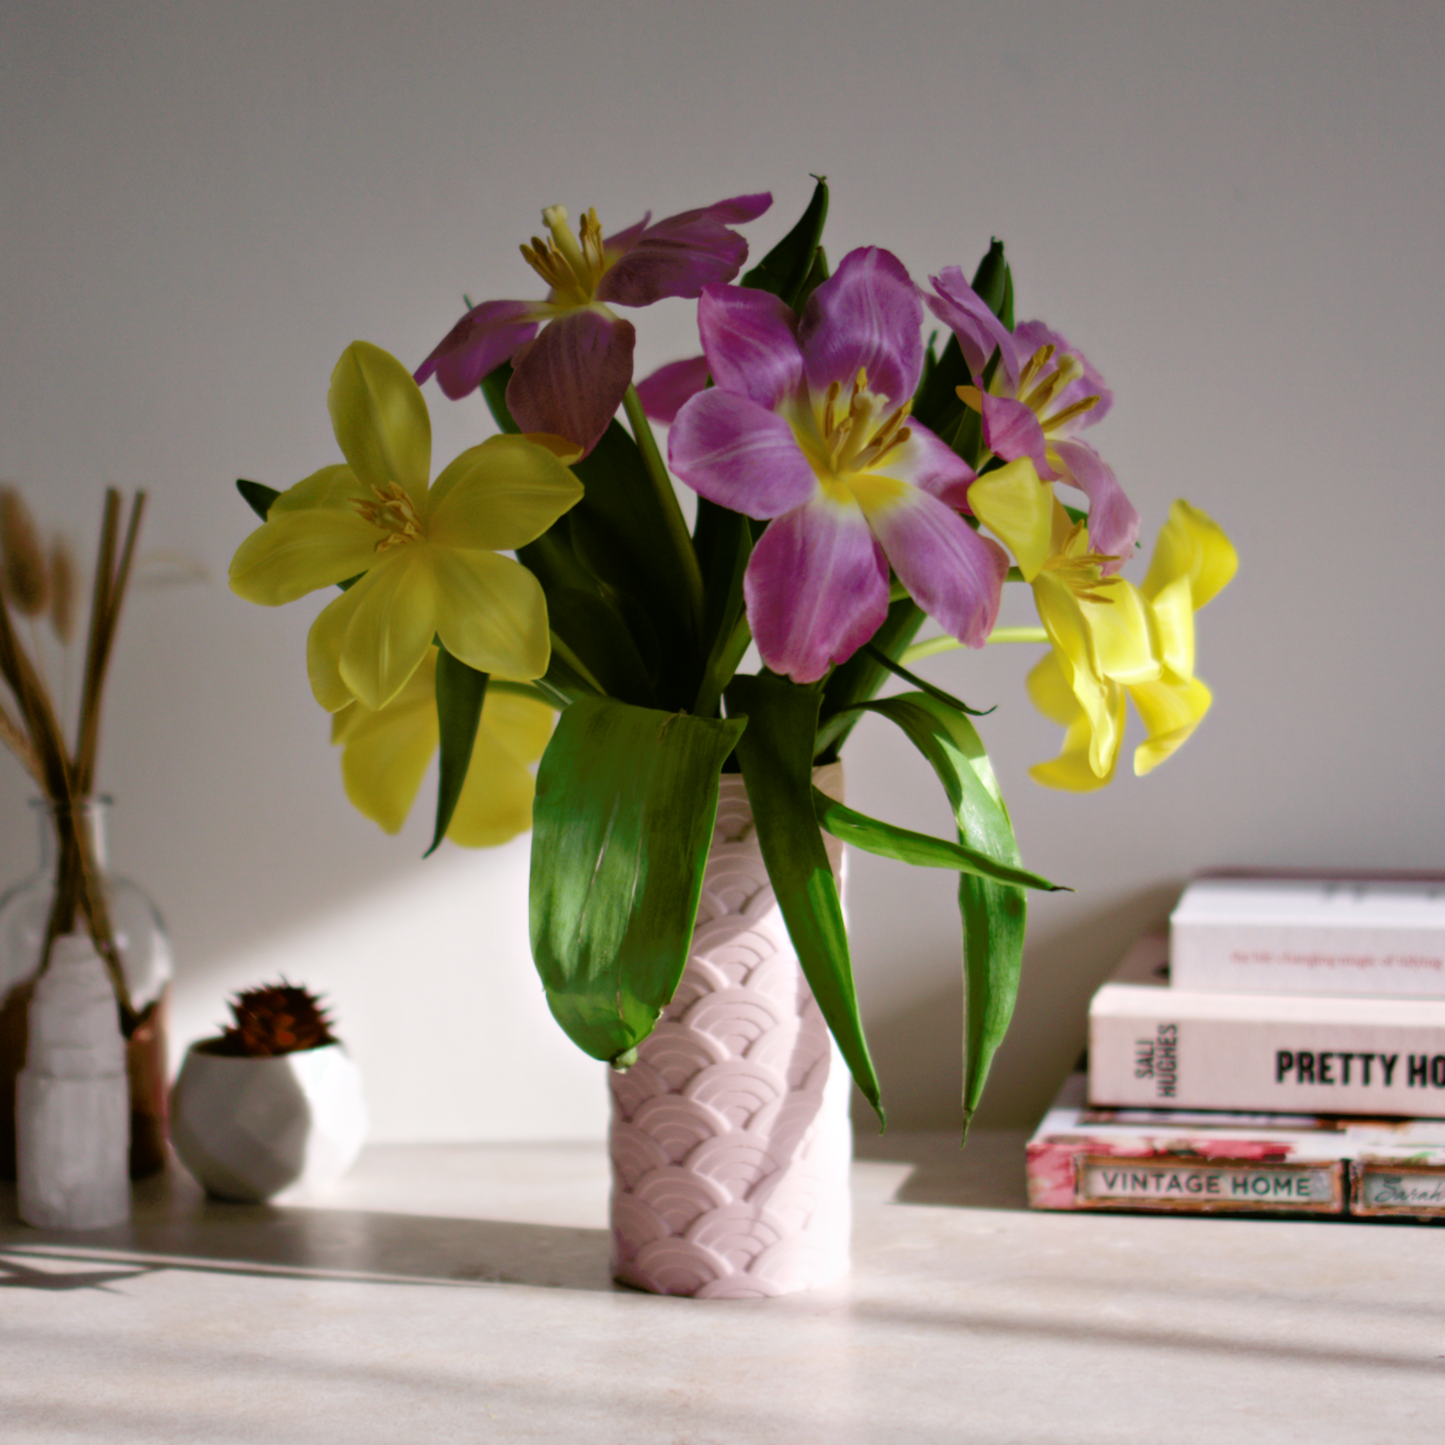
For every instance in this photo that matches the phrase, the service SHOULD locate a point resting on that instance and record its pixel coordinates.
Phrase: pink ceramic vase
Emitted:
(730, 1137)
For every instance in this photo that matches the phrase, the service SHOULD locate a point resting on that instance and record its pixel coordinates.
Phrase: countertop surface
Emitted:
(461, 1293)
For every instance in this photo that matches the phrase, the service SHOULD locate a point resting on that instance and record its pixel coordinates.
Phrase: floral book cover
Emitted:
(1178, 1161)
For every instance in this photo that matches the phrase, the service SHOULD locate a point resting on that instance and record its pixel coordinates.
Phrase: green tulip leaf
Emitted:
(776, 754)
(993, 912)
(461, 691)
(786, 270)
(921, 850)
(257, 495)
(621, 826)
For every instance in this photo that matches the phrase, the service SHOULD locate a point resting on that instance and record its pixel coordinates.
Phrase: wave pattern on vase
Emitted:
(730, 1137)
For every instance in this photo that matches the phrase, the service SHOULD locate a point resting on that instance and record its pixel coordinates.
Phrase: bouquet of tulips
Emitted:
(544, 597)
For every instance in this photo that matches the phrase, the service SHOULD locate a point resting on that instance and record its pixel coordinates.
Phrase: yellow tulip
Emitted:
(385, 754)
(425, 557)
(1109, 637)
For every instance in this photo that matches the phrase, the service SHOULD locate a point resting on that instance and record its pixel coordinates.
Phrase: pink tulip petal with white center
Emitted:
(955, 575)
(733, 451)
(816, 588)
(1113, 521)
(865, 317)
(750, 344)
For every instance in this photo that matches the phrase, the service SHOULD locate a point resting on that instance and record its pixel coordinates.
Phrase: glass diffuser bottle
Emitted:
(46, 905)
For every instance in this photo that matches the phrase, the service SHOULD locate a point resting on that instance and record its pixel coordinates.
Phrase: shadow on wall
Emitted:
(917, 1049)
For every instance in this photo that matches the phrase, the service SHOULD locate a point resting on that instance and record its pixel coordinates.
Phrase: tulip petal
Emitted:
(865, 316)
(335, 487)
(1050, 692)
(491, 613)
(1173, 613)
(496, 800)
(294, 553)
(571, 378)
(1124, 645)
(1029, 336)
(750, 344)
(931, 464)
(1101, 699)
(1191, 544)
(955, 575)
(380, 419)
(393, 620)
(736, 453)
(499, 495)
(1113, 522)
(816, 588)
(480, 342)
(978, 330)
(323, 653)
(1018, 508)
(1170, 713)
(680, 255)
(1011, 430)
(664, 391)
(385, 754)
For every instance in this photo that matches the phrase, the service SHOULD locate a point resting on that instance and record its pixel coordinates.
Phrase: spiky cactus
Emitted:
(277, 1018)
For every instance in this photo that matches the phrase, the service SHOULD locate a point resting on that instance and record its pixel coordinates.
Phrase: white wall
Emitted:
(1236, 209)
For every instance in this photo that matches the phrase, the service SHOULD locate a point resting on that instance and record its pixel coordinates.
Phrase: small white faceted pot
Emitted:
(250, 1129)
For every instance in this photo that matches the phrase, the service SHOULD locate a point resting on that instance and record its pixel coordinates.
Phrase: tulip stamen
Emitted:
(570, 268)
(394, 513)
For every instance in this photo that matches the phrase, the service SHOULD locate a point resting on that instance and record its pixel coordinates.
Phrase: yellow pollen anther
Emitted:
(856, 441)
(1081, 572)
(571, 269)
(394, 513)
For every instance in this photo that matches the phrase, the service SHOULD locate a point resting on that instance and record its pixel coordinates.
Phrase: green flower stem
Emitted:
(662, 485)
(723, 670)
(931, 646)
(1018, 634)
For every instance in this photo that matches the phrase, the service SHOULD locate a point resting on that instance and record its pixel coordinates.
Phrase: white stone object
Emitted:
(250, 1129)
(72, 1107)
(730, 1138)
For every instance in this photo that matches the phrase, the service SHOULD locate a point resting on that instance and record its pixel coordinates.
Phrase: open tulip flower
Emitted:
(571, 353)
(808, 426)
(385, 754)
(1109, 637)
(424, 558)
(1043, 391)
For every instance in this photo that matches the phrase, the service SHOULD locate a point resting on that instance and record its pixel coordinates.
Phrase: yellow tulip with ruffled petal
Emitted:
(385, 754)
(425, 556)
(1110, 639)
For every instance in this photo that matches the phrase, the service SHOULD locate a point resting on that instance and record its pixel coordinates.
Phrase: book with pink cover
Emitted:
(1153, 1045)
(1178, 1161)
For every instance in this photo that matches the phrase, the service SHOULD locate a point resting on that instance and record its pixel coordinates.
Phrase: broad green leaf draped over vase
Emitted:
(626, 798)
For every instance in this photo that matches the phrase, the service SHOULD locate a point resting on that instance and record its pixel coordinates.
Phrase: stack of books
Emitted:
(1281, 1050)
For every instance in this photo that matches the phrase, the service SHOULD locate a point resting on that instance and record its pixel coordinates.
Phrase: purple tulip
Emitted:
(807, 425)
(571, 353)
(1043, 392)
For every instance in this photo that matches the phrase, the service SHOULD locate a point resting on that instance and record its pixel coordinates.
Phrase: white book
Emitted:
(1357, 937)
(1156, 1046)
